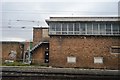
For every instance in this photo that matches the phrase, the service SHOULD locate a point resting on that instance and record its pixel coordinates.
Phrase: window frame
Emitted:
(96, 28)
(114, 48)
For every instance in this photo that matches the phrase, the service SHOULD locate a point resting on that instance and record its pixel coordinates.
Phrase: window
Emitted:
(95, 28)
(98, 60)
(82, 28)
(116, 28)
(115, 49)
(70, 28)
(89, 28)
(108, 28)
(52, 27)
(102, 28)
(71, 59)
(58, 26)
(64, 28)
(76, 28)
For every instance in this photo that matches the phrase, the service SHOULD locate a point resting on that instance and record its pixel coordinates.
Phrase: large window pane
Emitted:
(89, 28)
(76, 28)
(70, 28)
(102, 28)
(82, 28)
(52, 27)
(116, 28)
(108, 28)
(95, 28)
(58, 26)
(64, 28)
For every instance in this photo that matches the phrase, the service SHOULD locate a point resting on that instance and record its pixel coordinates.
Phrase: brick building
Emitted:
(84, 42)
(81, 42)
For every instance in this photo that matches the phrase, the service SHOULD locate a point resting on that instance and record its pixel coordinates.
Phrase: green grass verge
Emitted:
(14, 64)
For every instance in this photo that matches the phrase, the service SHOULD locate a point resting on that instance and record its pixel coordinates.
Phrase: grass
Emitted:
(20, 63)
(14, 64)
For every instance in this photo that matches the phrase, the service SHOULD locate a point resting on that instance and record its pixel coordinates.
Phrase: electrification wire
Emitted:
(41, 12)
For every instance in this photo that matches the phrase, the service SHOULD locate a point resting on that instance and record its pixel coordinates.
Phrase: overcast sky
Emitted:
(28, 11)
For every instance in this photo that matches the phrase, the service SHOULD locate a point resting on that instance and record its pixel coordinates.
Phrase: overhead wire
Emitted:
(40, 12)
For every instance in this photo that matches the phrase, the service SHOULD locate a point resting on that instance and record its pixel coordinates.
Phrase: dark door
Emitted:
(46, 57)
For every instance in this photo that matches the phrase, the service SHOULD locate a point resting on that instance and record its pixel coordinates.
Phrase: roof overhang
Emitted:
(82, 19)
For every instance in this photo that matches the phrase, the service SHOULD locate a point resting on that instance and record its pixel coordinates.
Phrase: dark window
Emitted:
(82, 28)
(115, 50)
(64, 27)
(108, 28)
(102, 28)
(95, 28)
(52, 27)
(89, 28)
(116, 28)
(76, 27)
(70, 26)
(58, 26)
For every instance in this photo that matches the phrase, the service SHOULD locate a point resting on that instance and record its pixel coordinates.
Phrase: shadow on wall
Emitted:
(45, 39)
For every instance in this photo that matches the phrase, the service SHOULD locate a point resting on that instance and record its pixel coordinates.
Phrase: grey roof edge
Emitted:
(37, 27)
(82, 19)
(84, 15)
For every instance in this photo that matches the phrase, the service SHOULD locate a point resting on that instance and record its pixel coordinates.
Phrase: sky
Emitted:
(18, 17)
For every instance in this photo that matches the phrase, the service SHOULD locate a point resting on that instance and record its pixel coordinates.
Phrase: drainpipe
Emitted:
(30, 47)
(29, 55)
(28, 58)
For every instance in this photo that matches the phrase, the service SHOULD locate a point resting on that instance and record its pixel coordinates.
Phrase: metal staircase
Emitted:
(37, 45)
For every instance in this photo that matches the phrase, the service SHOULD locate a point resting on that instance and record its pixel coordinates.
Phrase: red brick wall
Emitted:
(39, 54)
(37, 35)
(84, 49)
(11, 46)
